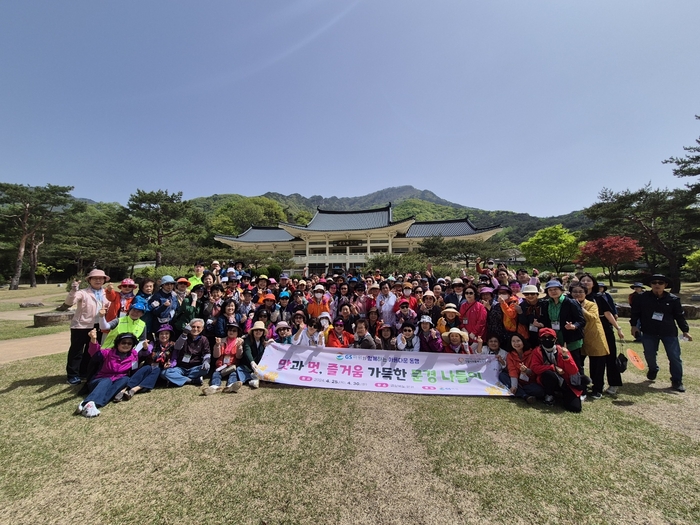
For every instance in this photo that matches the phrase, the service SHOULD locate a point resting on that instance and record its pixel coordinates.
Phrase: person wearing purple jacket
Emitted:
(113, 373)
(430, 340)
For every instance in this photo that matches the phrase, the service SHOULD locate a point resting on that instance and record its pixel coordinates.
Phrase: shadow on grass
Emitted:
(44, 383)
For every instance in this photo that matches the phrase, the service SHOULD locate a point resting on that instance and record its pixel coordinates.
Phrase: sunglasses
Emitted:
(657, 282)
(407, 330)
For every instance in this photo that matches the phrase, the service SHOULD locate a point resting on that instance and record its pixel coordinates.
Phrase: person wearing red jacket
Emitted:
(121, 300)
(518, 375)
(338, 337)
(473, 315)
(557, 371)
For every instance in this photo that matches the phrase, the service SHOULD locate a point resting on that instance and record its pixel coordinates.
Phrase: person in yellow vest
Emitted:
(130, 324)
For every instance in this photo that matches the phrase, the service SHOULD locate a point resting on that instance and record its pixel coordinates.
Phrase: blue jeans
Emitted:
(179, 376)
(673, 351)
(103, 390)
(145, 377)
(216, 379)
(245, 374)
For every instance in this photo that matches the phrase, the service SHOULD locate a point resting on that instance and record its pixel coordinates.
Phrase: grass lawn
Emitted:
(21, 329)
(294, 455)
(26, 293)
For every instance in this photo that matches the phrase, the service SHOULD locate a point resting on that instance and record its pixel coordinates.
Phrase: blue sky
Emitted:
(525, 106)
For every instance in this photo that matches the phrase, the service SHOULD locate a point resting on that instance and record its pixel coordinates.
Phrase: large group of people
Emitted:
(215, 325)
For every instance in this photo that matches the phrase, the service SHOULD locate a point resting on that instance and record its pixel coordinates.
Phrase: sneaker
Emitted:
(595, 396)
(254, 383)
(79, 410)
(549, 400)
(90, 410)
(612, 391)
(74, 381)
(117, 398)
(651, 374)
(233, 387)
(677, 386)
(210, 390)
(129, 394)
(197, 381)
(583, 397)
(530, 400)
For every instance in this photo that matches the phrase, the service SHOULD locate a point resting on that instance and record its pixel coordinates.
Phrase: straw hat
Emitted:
(462, 335)
(450, 307)
(97, 273)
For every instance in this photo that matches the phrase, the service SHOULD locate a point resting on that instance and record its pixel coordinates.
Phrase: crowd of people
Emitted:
(216, 324)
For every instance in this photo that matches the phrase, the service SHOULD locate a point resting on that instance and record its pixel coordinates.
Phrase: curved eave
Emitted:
(298, 231)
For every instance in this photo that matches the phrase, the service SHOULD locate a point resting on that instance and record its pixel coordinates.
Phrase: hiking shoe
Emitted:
(254, 383)
(530, 400)
(210, 390)
(612, 390)
(651, 374)
(596, 396)
(233, 387)
(74, 380)
(129, 394)
(197, 381)
(677, 386)
(90, 410)
(549, 400)
(118, 397)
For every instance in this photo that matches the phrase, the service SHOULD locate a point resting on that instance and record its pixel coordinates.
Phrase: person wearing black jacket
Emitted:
(564, 316)
(531, 313)
(658, 313)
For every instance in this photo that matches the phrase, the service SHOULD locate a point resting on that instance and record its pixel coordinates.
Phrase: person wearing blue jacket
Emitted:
(163, 303)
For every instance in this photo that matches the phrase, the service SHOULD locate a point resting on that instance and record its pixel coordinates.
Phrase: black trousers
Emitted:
(598, 372)
(550, 383)
(78, 356)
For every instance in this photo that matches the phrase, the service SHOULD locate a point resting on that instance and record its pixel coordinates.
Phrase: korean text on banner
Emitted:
(382, 370)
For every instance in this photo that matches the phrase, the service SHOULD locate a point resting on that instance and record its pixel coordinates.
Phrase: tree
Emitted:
(666, 223)
(45, 271)
(554, 246)
(463, 250)
(27, 211)
(688, 166)
(434, 248)
(159, 216)
(240, 213)
(692, 264)
(610, 252)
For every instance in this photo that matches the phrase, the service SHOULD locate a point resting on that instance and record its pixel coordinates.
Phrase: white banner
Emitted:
(382, 370)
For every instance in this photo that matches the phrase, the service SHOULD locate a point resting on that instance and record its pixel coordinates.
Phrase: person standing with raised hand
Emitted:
(89, 302)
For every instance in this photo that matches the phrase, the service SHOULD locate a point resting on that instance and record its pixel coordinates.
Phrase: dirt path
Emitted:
(25, 314)
(16, 349)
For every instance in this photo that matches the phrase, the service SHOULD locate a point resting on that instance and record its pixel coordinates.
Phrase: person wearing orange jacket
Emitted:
(121, 300)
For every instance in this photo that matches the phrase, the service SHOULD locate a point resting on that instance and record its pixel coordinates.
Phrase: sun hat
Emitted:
(258, 325)
(547, 331)
(167, 279)
(127, 282)
(457, 282)
(450, 307)
(553, 284)
(165, 328)
(263, 276)
(272, 280)
(486, 289)
(282, 324)
(529, 288)
(269, 297)
(426, 319)
(182, 280)
(137, 306)
(127, 335)
(462, 335)
(636, 285)
(319, 288)
(97, 273)
(428, 293)
(659, 277)
(232, 325)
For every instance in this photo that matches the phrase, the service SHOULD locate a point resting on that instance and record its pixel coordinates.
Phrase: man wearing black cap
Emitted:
(658, 313)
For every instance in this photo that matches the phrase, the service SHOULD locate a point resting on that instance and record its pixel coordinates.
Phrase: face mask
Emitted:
(318, 295)
(407, 293)
(547, 343)
(503, 297)
(490, 265)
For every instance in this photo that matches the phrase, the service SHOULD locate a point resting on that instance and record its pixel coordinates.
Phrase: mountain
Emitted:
(408, 201)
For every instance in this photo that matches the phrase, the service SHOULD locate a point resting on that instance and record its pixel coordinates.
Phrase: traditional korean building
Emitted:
(346, 239)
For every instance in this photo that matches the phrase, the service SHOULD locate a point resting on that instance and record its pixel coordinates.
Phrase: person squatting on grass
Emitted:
(539, 342)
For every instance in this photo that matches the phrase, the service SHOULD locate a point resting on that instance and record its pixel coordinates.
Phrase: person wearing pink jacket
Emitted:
(89, 302)
(113, 373)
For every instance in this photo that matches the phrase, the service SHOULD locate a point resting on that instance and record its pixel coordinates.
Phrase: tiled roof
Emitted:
(453, 228)
(260, 234)
(325, 220)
